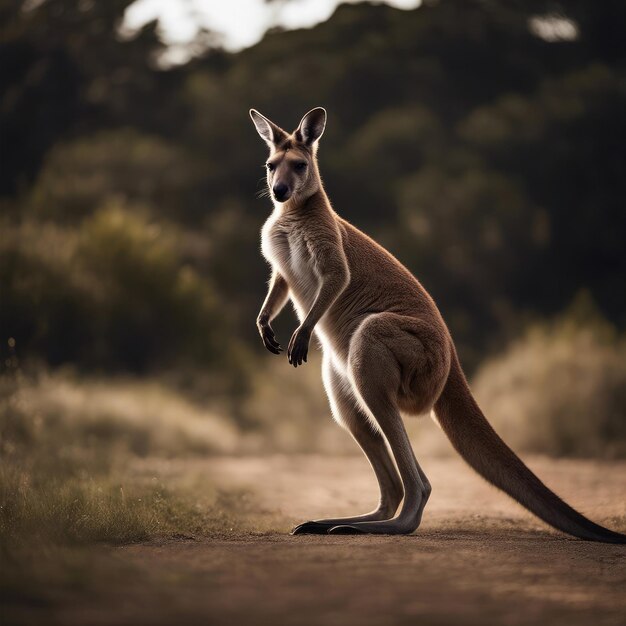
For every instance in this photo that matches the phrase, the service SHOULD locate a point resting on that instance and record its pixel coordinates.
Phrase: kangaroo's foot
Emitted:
(389, 527)
(407, 521)
(322, 526)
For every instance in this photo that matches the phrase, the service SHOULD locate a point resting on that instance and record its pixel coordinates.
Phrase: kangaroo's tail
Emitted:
(478, 443)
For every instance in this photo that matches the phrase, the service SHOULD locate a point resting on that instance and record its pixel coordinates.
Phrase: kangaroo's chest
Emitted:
(287, 248)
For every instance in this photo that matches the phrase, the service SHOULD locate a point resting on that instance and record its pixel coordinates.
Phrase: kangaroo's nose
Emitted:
(281, 191)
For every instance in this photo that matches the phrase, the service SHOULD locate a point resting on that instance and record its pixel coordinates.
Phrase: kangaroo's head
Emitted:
(292, 166)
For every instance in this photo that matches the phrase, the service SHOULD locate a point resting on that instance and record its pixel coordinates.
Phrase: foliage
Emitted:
(78, 176)
(561, 389)
(113, 293)
(488, 159)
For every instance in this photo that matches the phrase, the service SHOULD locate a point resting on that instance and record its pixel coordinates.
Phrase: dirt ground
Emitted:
(478, 558)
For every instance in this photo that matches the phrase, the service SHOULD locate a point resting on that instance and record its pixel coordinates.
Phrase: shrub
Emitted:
(560, 389)
(114, 293)
(78, 176)
(152, 308)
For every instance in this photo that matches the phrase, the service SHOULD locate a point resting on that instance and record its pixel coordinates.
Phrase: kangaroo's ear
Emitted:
(270, 132)
(312, 126)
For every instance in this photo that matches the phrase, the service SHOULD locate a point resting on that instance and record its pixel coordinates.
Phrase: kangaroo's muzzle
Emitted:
(281, 192)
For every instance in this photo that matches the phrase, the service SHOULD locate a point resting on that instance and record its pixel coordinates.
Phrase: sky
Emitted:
(238, 23)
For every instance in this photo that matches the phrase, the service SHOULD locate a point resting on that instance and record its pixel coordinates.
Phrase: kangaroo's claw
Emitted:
(310, 528)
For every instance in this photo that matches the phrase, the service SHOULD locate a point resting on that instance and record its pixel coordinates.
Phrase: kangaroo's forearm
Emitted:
(276, 298)
(330, 289)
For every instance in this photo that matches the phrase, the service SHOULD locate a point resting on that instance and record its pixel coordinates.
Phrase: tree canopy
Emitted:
(488, 157)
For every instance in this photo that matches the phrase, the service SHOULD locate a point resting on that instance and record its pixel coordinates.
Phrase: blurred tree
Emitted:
(65, 69)
(115, 294)
(481, 141)
(78, 177)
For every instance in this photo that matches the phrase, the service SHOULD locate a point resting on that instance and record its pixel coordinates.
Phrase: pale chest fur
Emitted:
(285, 246)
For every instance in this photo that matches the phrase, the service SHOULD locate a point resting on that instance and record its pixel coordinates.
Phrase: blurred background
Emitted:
(482, 142)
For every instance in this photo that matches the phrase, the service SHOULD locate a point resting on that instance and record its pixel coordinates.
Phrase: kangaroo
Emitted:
(385, 345)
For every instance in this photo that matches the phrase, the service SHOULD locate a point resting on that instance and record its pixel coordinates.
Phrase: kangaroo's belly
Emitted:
(303, 288)
(286, 250)
(303, 283)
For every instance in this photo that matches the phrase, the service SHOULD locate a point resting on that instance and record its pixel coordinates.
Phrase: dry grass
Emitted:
(142, 416)
(560, 390)
(79, 510)
(68, 468)
(90, 463)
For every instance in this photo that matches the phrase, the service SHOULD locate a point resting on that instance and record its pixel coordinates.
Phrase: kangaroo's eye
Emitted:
(299, 167)
(270, 167)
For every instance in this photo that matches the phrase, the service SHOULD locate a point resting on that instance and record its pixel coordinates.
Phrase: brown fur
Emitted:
(386, 347)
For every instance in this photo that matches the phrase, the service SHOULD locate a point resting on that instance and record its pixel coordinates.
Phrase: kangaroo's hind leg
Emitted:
(345, 409)
(397, 360)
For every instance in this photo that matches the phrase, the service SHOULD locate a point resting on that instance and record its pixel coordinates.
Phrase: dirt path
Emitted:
(477, 559)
